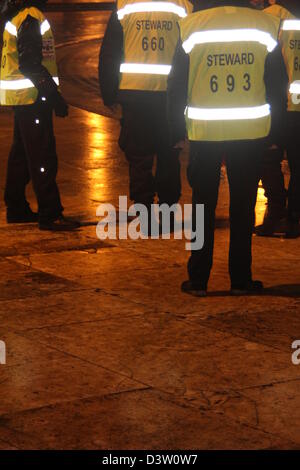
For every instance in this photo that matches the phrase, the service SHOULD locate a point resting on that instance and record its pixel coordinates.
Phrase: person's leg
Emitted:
(167, 176)
(243, 168)
(36, 129)
(204, 176)
(135, 141)
(16, 180)
(168, 183)
(273, 182)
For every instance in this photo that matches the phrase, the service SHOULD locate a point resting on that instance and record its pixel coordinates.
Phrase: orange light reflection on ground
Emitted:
(99, 151)
(260, 205)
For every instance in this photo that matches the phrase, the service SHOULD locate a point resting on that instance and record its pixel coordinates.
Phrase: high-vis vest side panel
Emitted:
(150, 35)
(228, 47)
(279, 11)
(15, 89)
(290, 43)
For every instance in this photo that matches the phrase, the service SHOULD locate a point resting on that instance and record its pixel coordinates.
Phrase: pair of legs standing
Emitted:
(144, 134)
(33, 157)
(243, 161)
(273, 183)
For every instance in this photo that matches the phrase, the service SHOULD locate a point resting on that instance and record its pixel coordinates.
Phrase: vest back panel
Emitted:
(151, 33)
(228, 47)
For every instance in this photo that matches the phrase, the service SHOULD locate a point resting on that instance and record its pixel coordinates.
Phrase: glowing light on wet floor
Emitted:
(99, 155)
(260, 205)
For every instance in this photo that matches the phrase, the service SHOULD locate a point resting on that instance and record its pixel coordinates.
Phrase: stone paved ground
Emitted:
(104, 351)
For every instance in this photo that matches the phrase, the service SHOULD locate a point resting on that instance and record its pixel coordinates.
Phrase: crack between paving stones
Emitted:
(188, 404)
(73, 400)
(66, 353)
(270, 384)
(72, 323)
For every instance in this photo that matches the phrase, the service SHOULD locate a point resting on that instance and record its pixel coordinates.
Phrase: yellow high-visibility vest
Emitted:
(150, 35)
(15, 88)
(290, 42)
(227, 48)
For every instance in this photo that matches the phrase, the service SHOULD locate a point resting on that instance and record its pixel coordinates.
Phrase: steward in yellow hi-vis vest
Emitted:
(226, 89)
(150, 36)
(29, 83)
(221, 90)
(135, 61)
(290, 43)
(283, 212)
(15, 88)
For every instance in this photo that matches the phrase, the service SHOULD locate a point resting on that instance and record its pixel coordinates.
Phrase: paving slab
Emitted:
(77, 306)
(35, 376)
(272, 408)
(88, 265)
(276, 325)
(19, 281)
(134, 420)
(26, 239)
(172, 355)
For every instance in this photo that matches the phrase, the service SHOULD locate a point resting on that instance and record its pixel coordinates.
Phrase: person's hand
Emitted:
(61, 108)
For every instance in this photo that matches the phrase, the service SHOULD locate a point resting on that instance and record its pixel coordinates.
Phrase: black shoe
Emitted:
(61, 224)
(271, 226)
(26, 217)
(194, 288)
(250, 287)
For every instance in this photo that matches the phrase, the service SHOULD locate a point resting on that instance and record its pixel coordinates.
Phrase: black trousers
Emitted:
(33, 157)
(272, 177)
(292, 146)
(273, 182)
(243, 161)
(144, 134)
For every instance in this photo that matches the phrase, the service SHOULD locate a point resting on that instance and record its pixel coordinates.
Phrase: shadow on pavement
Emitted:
(281, 290)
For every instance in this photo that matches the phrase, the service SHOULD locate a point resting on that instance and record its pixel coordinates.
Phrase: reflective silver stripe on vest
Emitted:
(22, 84)
(146, 7)
(45, 26)
(11, 29)
(291, 25)
(227, 114)
(155, 69)
(295, 87)
(229, 35)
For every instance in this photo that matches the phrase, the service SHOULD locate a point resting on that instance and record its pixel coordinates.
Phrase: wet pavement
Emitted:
(103, 350)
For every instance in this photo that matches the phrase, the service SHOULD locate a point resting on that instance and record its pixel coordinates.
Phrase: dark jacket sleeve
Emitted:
(110, 58)
(30, 50)
(177, 94)
(276, 81)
